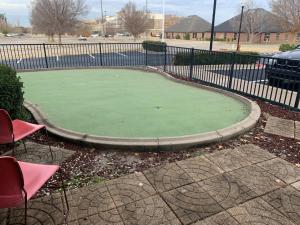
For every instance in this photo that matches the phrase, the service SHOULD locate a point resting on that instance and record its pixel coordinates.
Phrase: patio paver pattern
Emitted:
(241, 186)
(283, 127)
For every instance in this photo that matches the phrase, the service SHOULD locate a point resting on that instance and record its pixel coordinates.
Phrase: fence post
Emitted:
(233, 57)
(146, 56)
(45, 55)
(191, 63)
(165, 57)
(297, 101)
(100, 49)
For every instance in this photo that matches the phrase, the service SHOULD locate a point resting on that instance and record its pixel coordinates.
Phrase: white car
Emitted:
(94, 35)
(12, 35)
(82, 38)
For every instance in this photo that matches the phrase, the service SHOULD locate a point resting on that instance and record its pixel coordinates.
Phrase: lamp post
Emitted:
(239, 37)
(163, 22)
(212, 31)
(102, 18)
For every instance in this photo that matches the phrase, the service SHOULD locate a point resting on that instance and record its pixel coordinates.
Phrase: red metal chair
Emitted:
(17, 130)
(20, 181)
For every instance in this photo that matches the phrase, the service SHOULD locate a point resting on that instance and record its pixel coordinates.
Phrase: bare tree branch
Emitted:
(57, 16)
(135, 21)
(289, 13)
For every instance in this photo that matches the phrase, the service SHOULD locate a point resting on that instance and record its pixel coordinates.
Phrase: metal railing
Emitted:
(267, 78)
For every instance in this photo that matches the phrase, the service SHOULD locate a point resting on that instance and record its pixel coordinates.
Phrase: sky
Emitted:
(18, 11)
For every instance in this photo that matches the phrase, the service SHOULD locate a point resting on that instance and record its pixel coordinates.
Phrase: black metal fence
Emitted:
(267, 78)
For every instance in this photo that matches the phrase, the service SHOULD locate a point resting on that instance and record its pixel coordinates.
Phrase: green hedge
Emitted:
(214, 58)
(156, 46)
(11, 93)
(287, 47)
(187, 36)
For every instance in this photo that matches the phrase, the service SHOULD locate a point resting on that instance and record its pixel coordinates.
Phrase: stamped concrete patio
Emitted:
(246, 186)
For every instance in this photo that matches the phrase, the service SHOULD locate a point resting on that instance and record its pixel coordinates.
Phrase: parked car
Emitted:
(283, 69)
(82, 38)
(120, 34)
(12, 35)
(94, 35)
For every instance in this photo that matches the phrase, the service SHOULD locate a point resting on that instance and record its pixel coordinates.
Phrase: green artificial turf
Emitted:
(128, 103)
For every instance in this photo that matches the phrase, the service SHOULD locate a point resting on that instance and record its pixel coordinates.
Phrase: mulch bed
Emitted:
(90, 165)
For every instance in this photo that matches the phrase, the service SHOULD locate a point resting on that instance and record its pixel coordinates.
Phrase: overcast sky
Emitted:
(18, 11)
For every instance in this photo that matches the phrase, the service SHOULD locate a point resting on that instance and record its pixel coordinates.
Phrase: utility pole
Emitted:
(163, 22)
(212, 30)
(102, 18)
(239, 37)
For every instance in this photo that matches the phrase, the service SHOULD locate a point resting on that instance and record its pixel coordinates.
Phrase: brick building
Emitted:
(195, 26)
(259, 26)
(265, 27)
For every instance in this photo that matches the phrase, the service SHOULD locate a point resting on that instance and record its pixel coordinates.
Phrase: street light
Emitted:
(239, 37)
(163, 22)
(212, 30)
(102, 19)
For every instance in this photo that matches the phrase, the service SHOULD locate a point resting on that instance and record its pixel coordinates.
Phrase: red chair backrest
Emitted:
(11, 183)
(6, 128)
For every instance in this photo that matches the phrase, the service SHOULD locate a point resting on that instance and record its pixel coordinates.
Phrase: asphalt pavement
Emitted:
(128, 58)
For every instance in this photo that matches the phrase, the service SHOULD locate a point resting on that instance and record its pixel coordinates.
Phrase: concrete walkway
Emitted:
(283, 127)
(246, 186)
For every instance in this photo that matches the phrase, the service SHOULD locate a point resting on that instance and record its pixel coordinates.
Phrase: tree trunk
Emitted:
(294, 37)
(59, 38)
(50, 38)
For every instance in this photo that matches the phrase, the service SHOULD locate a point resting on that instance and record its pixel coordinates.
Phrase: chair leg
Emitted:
(24, 144)
(13, 149)
(51, 152)
(64, 190)
(8, 217)
(26, 211)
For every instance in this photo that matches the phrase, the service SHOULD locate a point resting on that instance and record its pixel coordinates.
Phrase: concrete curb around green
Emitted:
(165, 143)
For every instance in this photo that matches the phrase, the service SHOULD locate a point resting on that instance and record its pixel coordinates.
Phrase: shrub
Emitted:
(156, 46)
(177, 36)
(214, 58)
(219, 39)
(287, 47)
(11, 93)
(187, 36)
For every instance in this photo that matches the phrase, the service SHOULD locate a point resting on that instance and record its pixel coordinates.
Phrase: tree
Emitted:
(4, 26)
(57, 16)
(135, 21)
(289, 13)
(253, 20)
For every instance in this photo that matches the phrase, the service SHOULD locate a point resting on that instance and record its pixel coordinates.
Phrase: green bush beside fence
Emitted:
(155, 46)
(11, 93)
(215, 58)
(187, 36)
(287, 47)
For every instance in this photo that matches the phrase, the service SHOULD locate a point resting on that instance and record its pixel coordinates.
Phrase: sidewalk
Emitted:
(246, 185)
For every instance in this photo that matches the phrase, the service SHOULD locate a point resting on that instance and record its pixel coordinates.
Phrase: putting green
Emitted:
(128, 103)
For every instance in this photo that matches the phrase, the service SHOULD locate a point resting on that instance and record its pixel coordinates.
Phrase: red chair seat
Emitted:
(19, 181)
(22, 129)
(35, 176)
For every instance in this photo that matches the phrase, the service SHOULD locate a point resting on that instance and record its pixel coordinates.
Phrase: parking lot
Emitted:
(222, 46)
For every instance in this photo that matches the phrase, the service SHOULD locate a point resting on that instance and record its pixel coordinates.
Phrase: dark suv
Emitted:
(284, 69)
